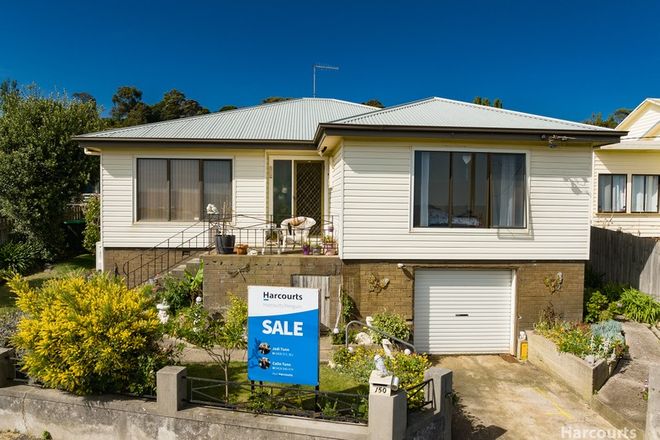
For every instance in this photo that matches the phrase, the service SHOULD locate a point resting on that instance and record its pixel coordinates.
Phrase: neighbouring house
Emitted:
(463, 218)
(626, 213)
(626, 175)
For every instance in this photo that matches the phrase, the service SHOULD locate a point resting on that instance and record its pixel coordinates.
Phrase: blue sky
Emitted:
(564, 59)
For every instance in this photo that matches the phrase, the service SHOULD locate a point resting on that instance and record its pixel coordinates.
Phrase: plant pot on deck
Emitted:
(224, 244)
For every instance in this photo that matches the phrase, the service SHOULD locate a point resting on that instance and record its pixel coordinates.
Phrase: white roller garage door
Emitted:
(463, 311)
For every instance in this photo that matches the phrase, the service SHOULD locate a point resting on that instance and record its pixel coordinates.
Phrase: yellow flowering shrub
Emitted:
(88, 335)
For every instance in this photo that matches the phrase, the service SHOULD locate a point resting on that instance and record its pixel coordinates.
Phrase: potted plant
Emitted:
(306, 248)
(241, 249)
(316, 249)
(224, 242)
(329, 245)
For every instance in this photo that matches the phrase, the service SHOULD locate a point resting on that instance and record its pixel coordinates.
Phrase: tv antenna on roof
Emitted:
(319, 67)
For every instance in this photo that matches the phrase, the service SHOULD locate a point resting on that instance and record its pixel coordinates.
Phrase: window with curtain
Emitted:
(180, 189)
(465, 189)
(612, 192)
(644, 193)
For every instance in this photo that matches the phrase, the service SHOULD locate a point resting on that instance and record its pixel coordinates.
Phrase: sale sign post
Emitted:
(283, 335)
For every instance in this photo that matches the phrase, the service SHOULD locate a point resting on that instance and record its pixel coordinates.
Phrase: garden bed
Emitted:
(581, 376)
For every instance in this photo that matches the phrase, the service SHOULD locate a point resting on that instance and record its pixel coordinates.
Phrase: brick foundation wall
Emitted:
(225, 274)
(532, 294)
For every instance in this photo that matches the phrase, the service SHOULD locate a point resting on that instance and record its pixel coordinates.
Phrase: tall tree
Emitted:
(128, 108)
(611, 121)
(84, 97)
(497, 102)
(225, 108)
(374, 103)
(174, 105)
(272, 99)
(41, 169)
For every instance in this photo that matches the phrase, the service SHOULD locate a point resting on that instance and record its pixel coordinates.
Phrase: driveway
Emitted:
(499, 398)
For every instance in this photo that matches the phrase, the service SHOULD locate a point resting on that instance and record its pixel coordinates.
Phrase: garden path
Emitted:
(621, 400)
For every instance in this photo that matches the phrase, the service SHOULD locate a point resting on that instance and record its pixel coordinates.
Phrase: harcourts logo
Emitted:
(288, 296)
(592, 433)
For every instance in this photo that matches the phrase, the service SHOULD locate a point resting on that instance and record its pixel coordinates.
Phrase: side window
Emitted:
(612, 192)
(644, 194)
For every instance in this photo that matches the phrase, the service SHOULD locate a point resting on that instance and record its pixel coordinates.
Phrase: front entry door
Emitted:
(297, 190)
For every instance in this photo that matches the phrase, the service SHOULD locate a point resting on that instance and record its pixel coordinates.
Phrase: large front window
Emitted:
(180, 189)
(469, 190)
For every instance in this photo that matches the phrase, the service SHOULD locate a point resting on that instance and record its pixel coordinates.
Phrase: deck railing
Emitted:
(263, 237)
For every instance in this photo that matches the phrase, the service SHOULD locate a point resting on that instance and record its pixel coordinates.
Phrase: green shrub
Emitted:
(391, 323)
(18, 257)
(613, 290)
(597, 308)
(599, 341)
(359, 363)
(182, 293)
(639, 306)
(92, 232)
(89, 335)
(356, 363)
(9, 318)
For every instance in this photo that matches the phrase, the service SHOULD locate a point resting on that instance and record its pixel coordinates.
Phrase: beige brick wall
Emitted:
(532, 294)
(224, 274)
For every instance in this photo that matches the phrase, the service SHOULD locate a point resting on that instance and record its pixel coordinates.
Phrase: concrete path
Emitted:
(500, 398)
(620, 399)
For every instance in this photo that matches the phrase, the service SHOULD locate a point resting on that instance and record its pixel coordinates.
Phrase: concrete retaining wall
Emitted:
(583, 378)
(33, 410)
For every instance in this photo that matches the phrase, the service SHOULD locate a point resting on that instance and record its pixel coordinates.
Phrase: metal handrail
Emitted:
(428, 388)
(376, 329)
(157, 259)
(160, 245)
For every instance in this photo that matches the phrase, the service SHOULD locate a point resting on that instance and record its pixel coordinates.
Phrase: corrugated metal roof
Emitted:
(293, 120)
(441, 112)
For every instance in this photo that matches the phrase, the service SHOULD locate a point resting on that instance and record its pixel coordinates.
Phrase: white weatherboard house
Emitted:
(452, 214)
(626, 175)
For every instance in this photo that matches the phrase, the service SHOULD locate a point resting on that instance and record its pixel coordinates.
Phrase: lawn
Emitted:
(350, 405)
(81, 262)
(331, 380)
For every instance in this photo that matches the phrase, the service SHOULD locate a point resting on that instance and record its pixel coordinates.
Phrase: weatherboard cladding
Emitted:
(440, 112)
(293, 120)
(297, 120)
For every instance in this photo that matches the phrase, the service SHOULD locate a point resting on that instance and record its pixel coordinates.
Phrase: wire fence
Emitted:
(274, 399)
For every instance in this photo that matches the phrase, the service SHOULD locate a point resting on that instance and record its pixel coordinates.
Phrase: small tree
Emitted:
(216, 334)
(92, 232)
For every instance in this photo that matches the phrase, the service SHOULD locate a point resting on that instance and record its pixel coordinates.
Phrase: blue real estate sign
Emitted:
(283, 335)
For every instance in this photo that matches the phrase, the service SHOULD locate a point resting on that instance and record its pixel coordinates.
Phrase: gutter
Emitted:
(90, 142)
(599, 137)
